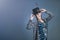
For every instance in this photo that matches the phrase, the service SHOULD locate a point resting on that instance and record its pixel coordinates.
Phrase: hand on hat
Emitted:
(43, 10)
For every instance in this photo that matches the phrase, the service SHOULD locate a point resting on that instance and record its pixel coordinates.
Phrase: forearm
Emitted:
(50, 16)
(30, 19)
(49, 13)
(29, 24)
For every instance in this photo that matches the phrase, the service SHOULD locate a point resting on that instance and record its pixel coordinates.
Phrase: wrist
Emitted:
(47, 12)
(30, 20)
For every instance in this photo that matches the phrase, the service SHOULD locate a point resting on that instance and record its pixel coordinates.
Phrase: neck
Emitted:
(39, 17)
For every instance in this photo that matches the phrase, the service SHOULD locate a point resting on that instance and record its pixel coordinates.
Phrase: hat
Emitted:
(36, 10)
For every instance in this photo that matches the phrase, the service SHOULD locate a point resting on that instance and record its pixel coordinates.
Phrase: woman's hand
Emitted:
(43, 10)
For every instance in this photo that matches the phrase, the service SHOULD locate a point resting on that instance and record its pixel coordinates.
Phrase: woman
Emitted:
(42, 24)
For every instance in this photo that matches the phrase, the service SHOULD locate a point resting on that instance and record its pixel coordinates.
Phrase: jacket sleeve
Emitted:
(50, 16)
(30, 23)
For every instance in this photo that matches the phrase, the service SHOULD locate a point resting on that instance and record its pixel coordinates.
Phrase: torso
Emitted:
(39, 17)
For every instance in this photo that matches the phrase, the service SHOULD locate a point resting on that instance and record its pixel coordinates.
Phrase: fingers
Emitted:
(43, 10)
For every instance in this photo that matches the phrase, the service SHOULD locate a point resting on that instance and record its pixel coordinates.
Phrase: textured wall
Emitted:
(14, 15)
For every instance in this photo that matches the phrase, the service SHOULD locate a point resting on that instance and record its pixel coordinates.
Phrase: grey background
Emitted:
(14, 15)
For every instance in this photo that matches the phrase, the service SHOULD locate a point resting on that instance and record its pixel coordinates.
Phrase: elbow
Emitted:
(53, 16)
